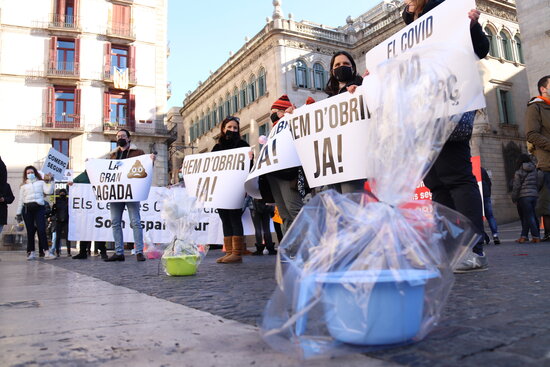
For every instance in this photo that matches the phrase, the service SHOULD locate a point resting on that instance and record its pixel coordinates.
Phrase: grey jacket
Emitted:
(527, 181)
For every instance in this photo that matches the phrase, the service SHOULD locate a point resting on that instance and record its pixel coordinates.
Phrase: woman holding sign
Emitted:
(451, 180)
(31, 209)
(233, 234)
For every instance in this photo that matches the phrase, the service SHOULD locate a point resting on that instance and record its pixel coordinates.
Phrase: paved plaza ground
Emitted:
(88, 312)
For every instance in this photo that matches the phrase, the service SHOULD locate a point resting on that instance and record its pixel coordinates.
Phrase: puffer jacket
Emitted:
(34, 192)
(527, 181)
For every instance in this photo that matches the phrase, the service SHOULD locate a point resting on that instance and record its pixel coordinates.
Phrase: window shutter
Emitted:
(500, 107)
(511, 112)
(77, 107)
(75, 12)
(77, 56)
(53, 54)
(132, 110)
(50, 113)
(106, 107)
(308, 77)
(132, 64)
(107, 63)
(60, 12)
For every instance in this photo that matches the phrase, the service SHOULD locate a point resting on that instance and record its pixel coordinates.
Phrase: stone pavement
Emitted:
(500, 317)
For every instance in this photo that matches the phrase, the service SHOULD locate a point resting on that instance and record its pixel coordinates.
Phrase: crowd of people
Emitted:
(450, 179)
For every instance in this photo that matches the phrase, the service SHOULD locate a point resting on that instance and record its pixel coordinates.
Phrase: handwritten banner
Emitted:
(217, 179)
(277, 154)
(121, 180)
(55, 164)
(440, 39)
(329, 137)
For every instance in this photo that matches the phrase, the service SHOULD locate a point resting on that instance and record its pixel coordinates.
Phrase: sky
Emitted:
(202, 33)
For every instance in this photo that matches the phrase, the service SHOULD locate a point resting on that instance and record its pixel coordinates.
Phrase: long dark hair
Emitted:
(333, 86)
(36, 173)
(225, 121)
(523, 158)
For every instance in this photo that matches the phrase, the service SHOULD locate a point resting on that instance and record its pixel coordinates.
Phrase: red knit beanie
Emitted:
(282, 103)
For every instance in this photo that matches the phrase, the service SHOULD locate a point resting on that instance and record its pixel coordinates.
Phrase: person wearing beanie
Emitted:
(284, 183)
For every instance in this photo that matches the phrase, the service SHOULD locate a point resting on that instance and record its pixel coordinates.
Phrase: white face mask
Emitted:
(31, 176)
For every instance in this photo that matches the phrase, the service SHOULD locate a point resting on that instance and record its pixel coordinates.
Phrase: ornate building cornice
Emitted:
(499, 9)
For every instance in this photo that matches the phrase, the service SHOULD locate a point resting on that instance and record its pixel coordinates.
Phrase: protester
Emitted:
(6, 195)
(261, 218)
(487, 205)
(31, 209)
(233, 234)
(344, 78)
(543, 211)
(60, 211)
(284, 183)
(450, 179)
(527, 181)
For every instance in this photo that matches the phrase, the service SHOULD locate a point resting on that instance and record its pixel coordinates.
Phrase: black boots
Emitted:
(115, 257)
(259, 250)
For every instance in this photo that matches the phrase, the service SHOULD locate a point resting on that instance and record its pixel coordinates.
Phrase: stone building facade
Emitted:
(290, 57)
(72, 72)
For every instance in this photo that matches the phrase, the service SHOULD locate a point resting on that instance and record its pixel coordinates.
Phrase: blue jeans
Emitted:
(135, 223)
(529, 220)
(488, 208)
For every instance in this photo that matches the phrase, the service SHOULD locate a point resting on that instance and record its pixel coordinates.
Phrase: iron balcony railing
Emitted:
(119, 124)
(108, 75)
(122, 30)
(63, 69)
(64, 21)
(62, 121)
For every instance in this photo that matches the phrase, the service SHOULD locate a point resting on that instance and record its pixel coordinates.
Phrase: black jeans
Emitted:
(35, 221)
(231, 222)
(453, 184)
(261, 224)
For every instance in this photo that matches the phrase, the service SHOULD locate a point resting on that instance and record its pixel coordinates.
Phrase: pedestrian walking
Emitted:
(31, 209)
(450, 179)
(525, 188)
(233, 234)
(344, 78)
(488, 206)
(126, 150)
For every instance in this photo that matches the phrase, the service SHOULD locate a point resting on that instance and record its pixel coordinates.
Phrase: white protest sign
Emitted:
(278, 153)
(90, 220)
(329, 137)
(217, 179)
(69, 174)
(440, 39)
(121, 180)
(55, 164)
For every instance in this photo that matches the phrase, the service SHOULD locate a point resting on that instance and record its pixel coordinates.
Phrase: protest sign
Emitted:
(55, 164)
(121, 180)
(438, 40)
(217, 179)
(90, 220)
(329, 137)
(277, 154)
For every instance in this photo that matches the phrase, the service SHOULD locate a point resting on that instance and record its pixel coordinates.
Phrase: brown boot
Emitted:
(245, 250)
(236, 254)
(228, 244)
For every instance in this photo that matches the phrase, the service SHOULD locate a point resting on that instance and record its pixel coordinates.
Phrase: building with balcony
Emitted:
(72, 72)
(291, 57)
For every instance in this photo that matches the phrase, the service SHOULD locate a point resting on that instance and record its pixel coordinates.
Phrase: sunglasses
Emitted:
(233, 118)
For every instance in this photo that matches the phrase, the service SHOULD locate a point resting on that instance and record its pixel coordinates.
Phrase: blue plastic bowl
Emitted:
(374, 307)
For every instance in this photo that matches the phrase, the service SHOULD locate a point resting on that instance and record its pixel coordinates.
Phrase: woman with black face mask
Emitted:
(233, 234)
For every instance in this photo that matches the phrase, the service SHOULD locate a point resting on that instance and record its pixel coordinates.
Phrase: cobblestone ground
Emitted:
(500, 317)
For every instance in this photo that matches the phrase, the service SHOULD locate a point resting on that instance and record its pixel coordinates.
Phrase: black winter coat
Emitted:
(479, 38)
(7, 194)
(61, 209)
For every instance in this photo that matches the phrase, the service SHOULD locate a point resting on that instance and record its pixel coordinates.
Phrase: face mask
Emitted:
(343, 73)
(122, 142)
(274, 117)
(231, 135)
(31, 176)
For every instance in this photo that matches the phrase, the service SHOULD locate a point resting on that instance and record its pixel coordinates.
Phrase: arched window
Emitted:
(228, 105)
(236, 99)
(243, 95)
(506, 47)
(493, 49)
(221, 116)
(261, 83)
(318, 76)
(519, 49)
(301, 74)
(252, 89)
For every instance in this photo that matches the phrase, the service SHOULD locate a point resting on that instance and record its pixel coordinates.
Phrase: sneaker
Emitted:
(496, 240)
(80, 256)
(133, 252)
(31, 256)
(140, 257)
(104, 256)
(115, 257)
(50, 256)
(472, 262)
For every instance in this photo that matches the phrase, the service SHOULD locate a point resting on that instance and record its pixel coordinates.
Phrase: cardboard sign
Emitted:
(121, 180)
(55, 164)
(217, 179)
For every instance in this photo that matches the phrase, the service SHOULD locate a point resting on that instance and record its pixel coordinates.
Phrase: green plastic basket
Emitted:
(181, 265)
